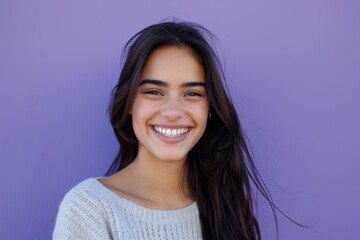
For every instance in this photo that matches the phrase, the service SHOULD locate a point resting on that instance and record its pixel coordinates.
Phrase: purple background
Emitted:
(293, 69)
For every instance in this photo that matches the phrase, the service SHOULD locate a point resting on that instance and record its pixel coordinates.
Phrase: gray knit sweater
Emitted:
(91, 211)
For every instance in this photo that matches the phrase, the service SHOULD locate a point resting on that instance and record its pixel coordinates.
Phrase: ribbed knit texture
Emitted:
(91, 211)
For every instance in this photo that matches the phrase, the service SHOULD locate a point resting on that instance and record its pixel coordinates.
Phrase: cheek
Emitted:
(201, 113)
(137, 113)
(138, 108)
(142, 111)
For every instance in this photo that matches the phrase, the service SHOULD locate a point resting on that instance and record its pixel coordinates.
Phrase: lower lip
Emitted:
(177, 139)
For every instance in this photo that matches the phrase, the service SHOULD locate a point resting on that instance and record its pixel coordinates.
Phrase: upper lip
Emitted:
(170, 126)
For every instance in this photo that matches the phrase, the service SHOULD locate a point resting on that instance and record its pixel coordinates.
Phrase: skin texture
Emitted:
(171, 95)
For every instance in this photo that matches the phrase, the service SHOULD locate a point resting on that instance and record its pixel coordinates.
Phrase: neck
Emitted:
(158, 183)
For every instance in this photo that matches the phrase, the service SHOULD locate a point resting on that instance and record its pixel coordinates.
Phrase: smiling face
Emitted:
(170, 110)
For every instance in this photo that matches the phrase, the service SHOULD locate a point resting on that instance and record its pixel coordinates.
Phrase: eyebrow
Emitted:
(165, 84)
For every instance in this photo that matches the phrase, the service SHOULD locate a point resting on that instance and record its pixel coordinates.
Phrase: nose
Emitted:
(172, 109)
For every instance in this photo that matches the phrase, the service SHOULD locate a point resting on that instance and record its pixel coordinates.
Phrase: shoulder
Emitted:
(84, 212)
(88, 190)
(86, 195)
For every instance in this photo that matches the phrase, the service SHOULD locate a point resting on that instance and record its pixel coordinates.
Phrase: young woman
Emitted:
(183, 169)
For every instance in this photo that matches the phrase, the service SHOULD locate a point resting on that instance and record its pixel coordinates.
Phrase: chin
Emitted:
(171, 157)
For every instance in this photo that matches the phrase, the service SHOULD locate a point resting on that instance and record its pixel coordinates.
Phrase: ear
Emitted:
(210, 112)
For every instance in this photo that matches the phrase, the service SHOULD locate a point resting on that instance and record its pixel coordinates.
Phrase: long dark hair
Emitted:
(220, 168)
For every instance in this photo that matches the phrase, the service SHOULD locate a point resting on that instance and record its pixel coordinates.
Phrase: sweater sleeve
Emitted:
(81, 216)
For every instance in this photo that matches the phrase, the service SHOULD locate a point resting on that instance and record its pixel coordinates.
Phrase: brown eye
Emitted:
(193, 94)
(153, 92)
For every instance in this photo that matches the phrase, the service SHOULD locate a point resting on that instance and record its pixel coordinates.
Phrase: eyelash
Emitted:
(153, 92)
(194, 94)
(158, 93)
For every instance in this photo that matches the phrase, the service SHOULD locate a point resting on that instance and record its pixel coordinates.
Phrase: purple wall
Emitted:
(293, 69)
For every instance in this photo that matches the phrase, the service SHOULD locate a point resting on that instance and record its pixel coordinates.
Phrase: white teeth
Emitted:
(168, 132)
(171, 132)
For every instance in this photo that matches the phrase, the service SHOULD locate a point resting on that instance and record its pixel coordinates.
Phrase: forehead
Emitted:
(173, 64)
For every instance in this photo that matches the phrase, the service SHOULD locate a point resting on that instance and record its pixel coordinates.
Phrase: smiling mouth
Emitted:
(168, 132)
